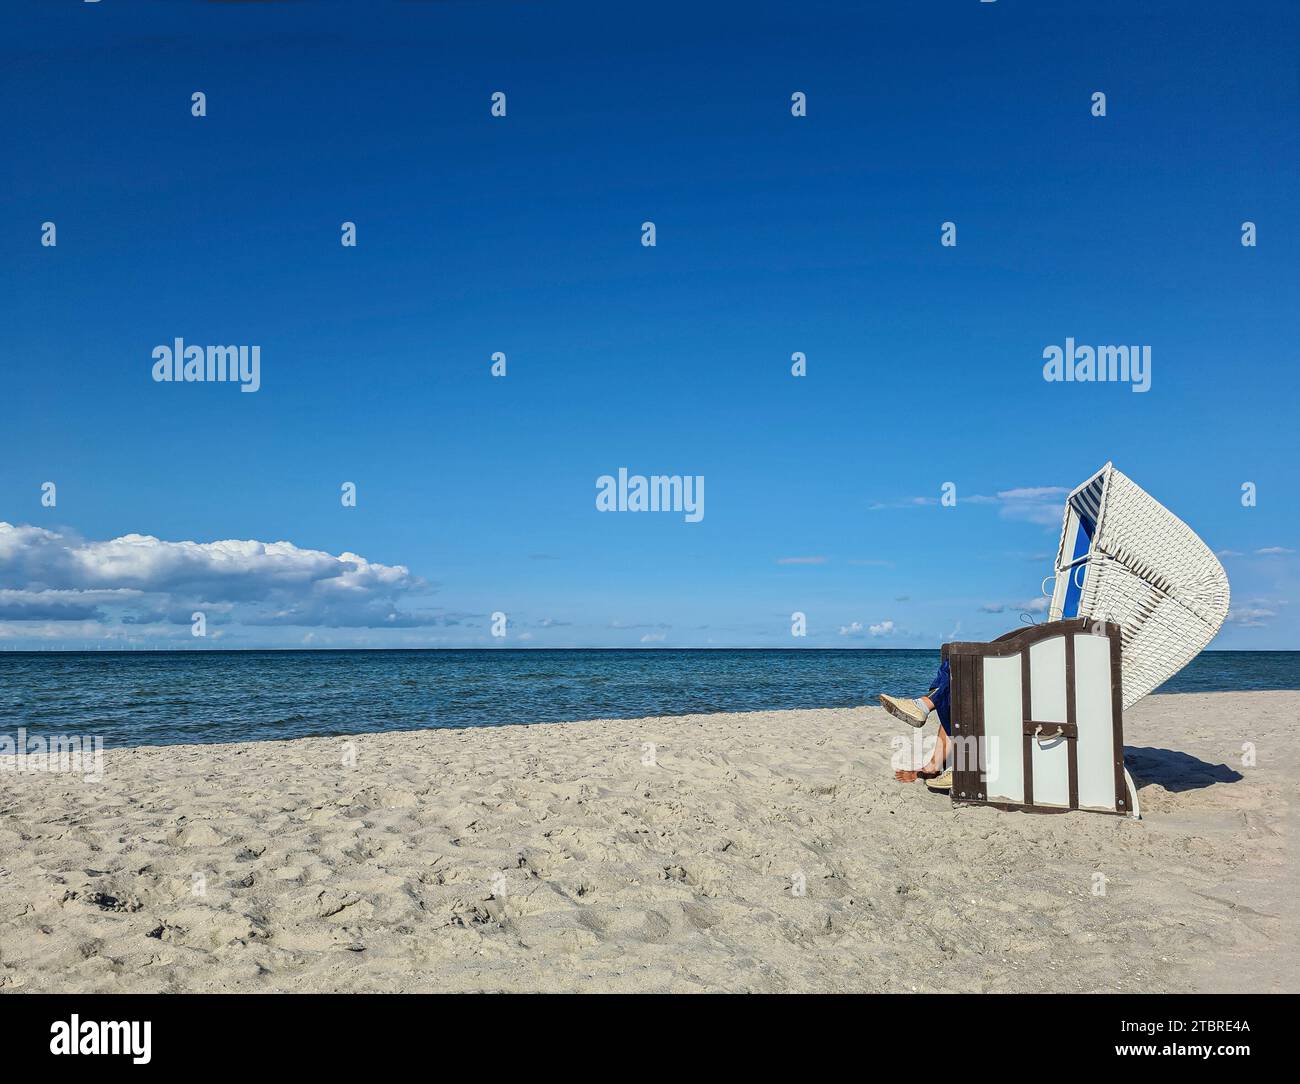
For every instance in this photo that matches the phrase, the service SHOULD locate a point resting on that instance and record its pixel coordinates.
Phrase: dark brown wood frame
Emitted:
(966, 667)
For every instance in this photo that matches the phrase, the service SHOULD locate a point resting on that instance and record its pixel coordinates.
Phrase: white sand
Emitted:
(550, 858)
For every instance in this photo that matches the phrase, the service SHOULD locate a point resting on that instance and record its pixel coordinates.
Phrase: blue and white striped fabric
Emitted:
(1083, 508)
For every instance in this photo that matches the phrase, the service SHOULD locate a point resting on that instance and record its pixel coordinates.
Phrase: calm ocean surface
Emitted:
(160, 698)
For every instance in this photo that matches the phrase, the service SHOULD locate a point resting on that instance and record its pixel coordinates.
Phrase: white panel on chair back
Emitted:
(1092, 712)
(1050, 760)
(1004, 757)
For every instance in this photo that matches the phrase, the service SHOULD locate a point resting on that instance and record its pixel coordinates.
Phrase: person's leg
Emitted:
(941, 694)
(939, 758)
(916, 710)
(940, 700)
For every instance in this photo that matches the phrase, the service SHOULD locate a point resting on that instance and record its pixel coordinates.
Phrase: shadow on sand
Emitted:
(1175, 771)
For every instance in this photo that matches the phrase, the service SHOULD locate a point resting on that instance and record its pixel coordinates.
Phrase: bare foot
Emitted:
(911, 775)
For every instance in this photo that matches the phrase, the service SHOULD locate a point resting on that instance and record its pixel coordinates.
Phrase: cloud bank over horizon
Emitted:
(61, 590)
(56, 584)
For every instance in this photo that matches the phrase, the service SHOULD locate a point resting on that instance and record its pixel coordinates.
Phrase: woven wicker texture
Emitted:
(1150, 573)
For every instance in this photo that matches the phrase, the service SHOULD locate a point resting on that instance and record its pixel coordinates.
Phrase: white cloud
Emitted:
(1033, 493)
(906, 502)
(62, 605)
(1029, 504)
(856, 628)
(1032, 605)
(146, 580)
(1250, 617)
(1273, 551)
(57, 630)
(652, 638)
(1033, 504)
(1254, 613)
(801, 560)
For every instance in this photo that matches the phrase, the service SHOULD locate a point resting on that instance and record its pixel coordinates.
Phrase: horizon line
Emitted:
(322, 650)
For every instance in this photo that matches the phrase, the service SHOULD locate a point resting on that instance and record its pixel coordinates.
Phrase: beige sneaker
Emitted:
(942, 781)
(910, 711)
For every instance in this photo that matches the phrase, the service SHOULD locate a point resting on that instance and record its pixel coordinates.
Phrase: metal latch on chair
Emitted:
(1048, 732)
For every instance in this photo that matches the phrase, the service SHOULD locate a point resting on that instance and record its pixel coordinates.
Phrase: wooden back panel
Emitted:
(1037, 719)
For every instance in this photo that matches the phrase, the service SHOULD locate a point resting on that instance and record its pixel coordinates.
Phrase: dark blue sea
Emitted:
(161, 698)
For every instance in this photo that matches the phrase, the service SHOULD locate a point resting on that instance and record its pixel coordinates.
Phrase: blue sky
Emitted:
(522, 234)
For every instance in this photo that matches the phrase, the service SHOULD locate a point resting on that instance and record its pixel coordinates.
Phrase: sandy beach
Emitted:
(659, 854)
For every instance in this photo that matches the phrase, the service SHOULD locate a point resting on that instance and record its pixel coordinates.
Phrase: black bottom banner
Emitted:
(362, 1033)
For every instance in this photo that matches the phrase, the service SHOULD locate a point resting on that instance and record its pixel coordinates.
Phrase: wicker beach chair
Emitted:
(1037, 714)
(1124, 557)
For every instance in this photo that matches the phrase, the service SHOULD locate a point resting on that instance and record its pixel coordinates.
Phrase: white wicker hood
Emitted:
(1124, 557)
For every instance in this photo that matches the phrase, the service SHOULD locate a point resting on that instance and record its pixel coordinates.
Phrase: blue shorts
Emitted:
(941, 695)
